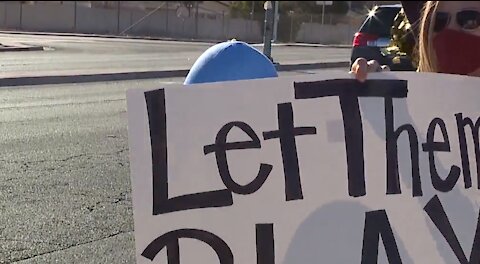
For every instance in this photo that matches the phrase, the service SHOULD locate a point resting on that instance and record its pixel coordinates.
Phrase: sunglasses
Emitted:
(466, 19)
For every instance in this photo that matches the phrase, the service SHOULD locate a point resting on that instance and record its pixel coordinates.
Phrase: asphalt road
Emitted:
(98, 55)
(65, 194)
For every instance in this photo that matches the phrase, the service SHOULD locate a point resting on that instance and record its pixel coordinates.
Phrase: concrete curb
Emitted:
(312, 66)
(85, 78)
(20, 48)
(308, 45)
(123, 76)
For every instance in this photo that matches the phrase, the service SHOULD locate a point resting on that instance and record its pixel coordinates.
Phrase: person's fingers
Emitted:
(360, 69)
(359, 63)
(373, 66)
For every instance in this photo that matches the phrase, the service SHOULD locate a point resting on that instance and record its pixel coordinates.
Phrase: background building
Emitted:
(298, 21)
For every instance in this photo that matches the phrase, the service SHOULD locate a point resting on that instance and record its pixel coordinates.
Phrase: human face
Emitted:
(452, 8)
(457, 24)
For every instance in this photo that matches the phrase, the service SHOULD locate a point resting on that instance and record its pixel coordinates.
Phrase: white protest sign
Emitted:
(309, 169)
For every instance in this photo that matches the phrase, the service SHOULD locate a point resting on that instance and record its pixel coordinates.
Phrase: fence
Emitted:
(72, 17)
(75, 17)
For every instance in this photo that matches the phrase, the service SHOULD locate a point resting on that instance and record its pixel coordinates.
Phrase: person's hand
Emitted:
(361, 67)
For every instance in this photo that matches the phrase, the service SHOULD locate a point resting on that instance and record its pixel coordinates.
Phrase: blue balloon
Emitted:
(230, 61)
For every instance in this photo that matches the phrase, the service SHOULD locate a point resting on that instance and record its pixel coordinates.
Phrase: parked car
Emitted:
(374, 38)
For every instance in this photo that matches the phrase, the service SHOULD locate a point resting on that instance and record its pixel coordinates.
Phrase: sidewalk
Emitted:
(290, 62)
(147, 38)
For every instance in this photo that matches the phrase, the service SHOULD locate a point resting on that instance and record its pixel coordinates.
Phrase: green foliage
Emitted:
(338, 7)
(188, 4)
(402, 42)
(311, 7)
(244, 8)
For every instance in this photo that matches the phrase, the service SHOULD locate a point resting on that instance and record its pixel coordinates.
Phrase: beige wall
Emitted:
(80, 19)
(66, 17)
(326, 34)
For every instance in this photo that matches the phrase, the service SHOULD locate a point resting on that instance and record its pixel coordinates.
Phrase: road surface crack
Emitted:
(73, 246)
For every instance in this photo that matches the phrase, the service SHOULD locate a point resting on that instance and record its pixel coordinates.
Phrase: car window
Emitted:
(381, 23)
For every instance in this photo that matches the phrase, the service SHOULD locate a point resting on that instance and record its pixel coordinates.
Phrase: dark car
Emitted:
(375, 35)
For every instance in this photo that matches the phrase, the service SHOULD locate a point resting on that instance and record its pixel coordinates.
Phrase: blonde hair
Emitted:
(427, 57)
